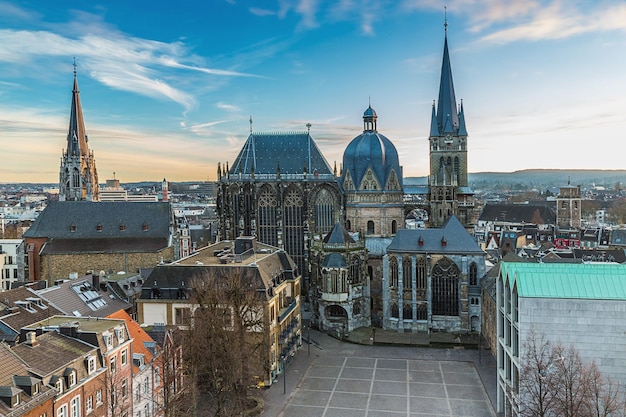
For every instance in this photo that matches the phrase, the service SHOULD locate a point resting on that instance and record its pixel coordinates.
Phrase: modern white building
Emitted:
(11, 262)
(579, 305)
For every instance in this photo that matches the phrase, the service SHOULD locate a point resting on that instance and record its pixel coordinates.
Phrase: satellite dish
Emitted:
(102, 273)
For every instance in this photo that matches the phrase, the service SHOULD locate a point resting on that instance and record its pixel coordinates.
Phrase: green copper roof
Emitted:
(595, 281)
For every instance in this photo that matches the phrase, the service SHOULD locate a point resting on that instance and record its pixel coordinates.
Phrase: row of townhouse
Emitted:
(65, 366)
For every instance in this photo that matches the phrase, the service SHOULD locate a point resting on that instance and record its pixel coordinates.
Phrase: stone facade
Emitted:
(60, 266)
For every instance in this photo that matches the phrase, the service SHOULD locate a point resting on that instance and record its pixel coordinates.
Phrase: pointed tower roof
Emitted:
(339, 235)
(447, 117)
(77, 135)
(462, 128)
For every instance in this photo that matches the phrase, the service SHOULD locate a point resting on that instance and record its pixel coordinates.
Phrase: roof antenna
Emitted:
(308, 127)
(445, 19)
(250, 123)
(369, 101)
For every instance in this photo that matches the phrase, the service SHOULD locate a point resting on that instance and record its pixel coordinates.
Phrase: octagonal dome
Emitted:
(371, 151)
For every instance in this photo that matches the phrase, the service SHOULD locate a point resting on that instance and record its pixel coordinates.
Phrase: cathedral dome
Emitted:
(370, 151)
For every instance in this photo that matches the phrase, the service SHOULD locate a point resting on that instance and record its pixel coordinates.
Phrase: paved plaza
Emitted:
(347, 380)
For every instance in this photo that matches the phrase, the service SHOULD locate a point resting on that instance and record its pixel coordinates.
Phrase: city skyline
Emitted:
(169, 92)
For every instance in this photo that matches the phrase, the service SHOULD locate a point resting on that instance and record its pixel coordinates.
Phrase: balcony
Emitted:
(284, 312)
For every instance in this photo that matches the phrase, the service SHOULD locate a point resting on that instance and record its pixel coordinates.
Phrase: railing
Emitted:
(285, 312)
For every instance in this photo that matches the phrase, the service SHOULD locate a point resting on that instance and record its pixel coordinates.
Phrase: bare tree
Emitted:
(535, 378)
(226, 343)
(554, 381)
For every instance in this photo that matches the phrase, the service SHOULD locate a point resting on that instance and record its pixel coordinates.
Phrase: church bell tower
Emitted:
(78, 178)
(449, 192)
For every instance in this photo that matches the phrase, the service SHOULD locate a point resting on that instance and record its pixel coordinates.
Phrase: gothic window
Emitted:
(473, 274)
(445, 292)
(422, 313)
(294, 227)
(456, 165)
(324, 205)
(420, 280)
(334, 281)
(356, 309)
(370, 227)
(242, 210)
(394, 227)
(75, 178)
(355, 270)
(348, 225)
(449, 162)
(442, 163)
(407, 273)
(395, 313)
(407, 312)
(267, 225)
(393, 272)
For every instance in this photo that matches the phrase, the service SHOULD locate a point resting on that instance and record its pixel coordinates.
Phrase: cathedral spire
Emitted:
(76, 136)
(447, 116)
(78, 177)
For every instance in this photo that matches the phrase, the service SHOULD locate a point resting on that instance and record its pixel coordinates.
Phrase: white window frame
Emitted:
(62, 411)
(89, 404)
(75, 406)
(124, 356)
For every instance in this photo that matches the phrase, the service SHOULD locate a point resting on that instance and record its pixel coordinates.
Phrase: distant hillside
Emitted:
(539, 178)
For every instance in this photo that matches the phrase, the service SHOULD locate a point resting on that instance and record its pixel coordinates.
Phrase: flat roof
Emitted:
(86, 324)
(222, 253)
(593, 281)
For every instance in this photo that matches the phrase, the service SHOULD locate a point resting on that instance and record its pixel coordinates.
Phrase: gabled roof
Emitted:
(53, 352)
(15, 315)
(601, 281)
(457, 240)
(78, 297)
(263, 153)
(90, 220)
(141, 339)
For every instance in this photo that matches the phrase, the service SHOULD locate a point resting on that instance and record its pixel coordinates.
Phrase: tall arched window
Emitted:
(395, 313)
(370, 227)
(294, 226)
(420, 277)
(268, 229)
(393, 272)
(473, 274)
(355, 270)
(407, 273)
(407, 312)
(445, 288)
(456, 165)
(348, 225)
(394, 227)
(324, 205)
(75, 178)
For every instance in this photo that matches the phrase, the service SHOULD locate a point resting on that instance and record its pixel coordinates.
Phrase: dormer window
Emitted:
(70, 374)
(99, 227)
(122, 227)
(120, 335)
(73, 227)
(108, 340)
(91, 364)
(58, 385)
(144, 227)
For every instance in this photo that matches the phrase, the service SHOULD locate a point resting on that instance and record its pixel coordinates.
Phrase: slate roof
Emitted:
(85, 218)
(457, 240)
(76, 296)
(518, 213)
(377, 246)
(263, 152)
(54, 352)
(598, 281)
(15, 316)
(334, 260)
(338, 236)
(371, 150)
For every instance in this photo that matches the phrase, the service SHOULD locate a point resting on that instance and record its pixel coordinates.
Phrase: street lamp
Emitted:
(284, 360)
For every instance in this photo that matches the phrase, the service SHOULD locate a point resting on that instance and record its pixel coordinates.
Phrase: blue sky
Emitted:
(168, 87)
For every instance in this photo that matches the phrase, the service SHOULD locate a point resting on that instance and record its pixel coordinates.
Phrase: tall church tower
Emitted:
(449, 192)
(78, 178)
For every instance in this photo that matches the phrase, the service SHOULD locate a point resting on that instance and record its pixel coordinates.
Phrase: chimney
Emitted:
(31, 339)
(95, 281)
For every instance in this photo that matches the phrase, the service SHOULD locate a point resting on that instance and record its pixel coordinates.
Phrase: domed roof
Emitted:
(371, 150)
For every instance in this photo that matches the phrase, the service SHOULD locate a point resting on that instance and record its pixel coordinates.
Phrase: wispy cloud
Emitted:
(228, 107)
(140, 66)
